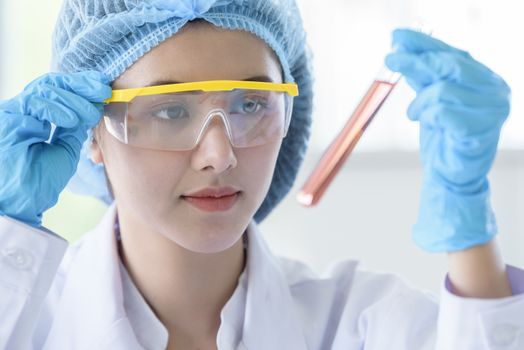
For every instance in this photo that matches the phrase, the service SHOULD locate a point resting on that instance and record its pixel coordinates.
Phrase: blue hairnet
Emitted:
(110, 35)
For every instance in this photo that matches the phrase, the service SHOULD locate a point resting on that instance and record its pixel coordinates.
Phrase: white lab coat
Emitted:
(47, 302)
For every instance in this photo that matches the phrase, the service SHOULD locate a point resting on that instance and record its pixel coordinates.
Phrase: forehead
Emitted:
(201, 51)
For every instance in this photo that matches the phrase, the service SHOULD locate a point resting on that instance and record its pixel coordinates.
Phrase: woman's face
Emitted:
(149, 184)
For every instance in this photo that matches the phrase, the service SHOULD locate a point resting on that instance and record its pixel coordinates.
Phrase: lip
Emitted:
(213, 199)
(215, 192)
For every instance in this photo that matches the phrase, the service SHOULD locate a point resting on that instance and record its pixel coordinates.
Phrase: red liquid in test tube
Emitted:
(345, 142)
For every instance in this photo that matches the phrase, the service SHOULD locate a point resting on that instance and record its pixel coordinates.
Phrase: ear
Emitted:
(96, 151)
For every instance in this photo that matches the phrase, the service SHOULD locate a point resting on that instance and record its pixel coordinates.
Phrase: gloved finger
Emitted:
(52, 171)
(40, 109)
(81, 109)
(57, 106)
(25, 130)
(428, 67)
(449, 93)
(43, 109)
(19, 130)
(68, 142)
(91, 85)
(415, 84)
(463, 121)
(458, 161)
(411, 41)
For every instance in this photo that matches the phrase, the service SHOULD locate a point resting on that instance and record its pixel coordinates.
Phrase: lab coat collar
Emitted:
(271, 321)
(99, 320)
(91, 311)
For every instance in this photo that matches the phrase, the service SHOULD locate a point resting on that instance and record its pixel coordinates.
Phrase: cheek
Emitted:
(140, 174)
(258, 165)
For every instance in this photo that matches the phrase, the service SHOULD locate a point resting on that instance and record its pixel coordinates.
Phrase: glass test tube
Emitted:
(342, 146)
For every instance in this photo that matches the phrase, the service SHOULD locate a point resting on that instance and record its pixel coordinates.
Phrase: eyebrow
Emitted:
(262, 78)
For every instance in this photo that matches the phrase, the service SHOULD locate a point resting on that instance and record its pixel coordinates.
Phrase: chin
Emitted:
(207, 234)
(205, 239)
(212, 244)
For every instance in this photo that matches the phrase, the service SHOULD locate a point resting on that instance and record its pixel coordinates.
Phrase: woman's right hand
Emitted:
(33, 172)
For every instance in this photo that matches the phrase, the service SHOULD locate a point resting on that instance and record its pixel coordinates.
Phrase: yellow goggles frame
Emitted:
(126, 95)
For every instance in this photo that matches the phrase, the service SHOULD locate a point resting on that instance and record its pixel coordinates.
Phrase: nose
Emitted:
(214, 151)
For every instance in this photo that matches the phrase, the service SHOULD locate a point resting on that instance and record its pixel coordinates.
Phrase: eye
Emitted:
(170, 112)
(252, 105)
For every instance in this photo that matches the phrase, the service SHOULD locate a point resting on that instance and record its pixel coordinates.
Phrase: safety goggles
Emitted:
(176, 116)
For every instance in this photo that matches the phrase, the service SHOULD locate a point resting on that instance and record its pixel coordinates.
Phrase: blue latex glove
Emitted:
(33, 172)
(461, 106)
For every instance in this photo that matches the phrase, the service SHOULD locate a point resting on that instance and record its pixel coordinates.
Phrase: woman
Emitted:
(178, 262)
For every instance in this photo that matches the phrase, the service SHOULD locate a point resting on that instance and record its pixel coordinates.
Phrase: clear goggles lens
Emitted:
(177, 121)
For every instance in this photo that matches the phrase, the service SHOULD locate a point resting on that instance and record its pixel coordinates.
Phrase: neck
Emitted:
(186, 290)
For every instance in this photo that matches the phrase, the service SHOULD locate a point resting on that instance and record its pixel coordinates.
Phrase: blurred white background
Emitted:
(368, 212)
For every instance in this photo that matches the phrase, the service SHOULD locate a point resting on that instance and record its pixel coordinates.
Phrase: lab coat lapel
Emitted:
(91, 314)
(100, 322)
(270, 321)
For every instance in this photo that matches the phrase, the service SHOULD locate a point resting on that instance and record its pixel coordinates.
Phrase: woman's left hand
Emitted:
(461, 106)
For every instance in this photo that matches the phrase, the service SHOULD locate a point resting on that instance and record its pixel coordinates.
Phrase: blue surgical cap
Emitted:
(110, 35)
